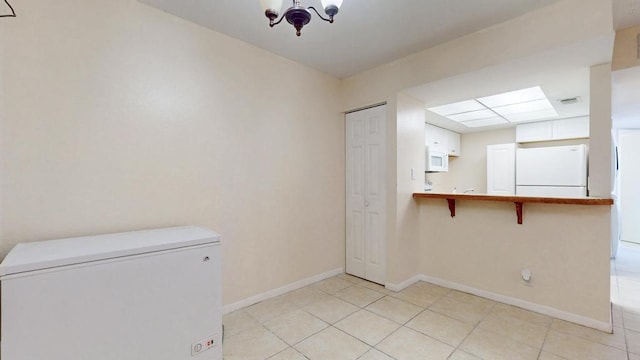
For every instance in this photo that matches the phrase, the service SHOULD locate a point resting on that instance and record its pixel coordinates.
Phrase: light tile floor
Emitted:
(345, 317)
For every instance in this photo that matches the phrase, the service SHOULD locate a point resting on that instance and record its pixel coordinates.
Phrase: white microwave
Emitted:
(437, 161)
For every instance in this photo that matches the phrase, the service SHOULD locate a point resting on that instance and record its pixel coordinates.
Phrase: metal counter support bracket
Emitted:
(517, 200)
(519, 212)
(452, 207)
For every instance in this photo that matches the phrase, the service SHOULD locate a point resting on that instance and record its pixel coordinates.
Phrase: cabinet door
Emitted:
(429, 135)
(453, 142)
(436, 138)
(538, 131)
(574, 128)
(501, 169)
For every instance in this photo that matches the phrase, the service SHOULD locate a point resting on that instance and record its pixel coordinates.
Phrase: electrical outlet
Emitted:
(203, 345)
(527, 277)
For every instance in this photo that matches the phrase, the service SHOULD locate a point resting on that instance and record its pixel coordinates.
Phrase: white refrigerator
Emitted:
(151, 294)
(556, 171)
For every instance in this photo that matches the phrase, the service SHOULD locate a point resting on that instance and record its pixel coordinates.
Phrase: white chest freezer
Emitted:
(151, 294)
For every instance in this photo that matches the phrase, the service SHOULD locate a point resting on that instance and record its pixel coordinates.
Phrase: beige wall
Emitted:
(469, 171)
(600, 142)
(403, 259)
(483, 247)
(625, 51)
(118, 117)
(566, 248)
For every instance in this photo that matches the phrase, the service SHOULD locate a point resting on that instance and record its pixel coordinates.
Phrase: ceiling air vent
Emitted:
(569, 101)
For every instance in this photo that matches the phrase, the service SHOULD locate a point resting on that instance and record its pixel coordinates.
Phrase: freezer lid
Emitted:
(53, 253)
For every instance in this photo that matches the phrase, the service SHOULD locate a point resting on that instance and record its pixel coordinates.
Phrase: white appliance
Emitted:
(151, 294)
(557, 171)
(437, 161)
(616, 224)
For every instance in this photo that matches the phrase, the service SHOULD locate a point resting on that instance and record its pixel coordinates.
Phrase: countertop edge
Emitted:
(515, 198)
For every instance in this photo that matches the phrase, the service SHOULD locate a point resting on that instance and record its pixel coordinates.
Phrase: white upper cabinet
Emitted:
(575, 128)
(453, 143)
(436, 138)
(439, 139)
(537, 131)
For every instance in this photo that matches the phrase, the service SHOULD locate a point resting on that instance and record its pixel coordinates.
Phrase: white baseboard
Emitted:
(398, 287)
(542, 309)
(279, 291)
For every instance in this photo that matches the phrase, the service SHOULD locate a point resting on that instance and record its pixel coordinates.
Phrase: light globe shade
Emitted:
(327, 3)
(273, 5)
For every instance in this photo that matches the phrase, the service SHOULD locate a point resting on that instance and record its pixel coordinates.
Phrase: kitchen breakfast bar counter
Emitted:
(519, 201)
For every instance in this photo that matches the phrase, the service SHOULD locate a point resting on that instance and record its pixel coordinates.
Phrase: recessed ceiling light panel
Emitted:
(525, 107)
(496, 120)
(472, 115)
(513, 97)
(529, 104)
(457, 108)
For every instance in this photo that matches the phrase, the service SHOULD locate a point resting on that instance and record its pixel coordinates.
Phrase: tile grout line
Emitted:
(364, 308)
(585, 338)
(546, 336)
(296, 307)
(455, 348)
(311, 335)
(404, 324)
(474, 329)
(385, 338)
(624, 329)
(332, 325)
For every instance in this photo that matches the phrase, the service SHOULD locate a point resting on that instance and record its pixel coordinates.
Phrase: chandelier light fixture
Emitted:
(13, 13)
(297, 15)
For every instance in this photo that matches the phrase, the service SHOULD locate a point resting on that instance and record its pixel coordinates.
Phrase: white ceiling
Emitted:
(365, 34)
(369, 33)
(626, 13)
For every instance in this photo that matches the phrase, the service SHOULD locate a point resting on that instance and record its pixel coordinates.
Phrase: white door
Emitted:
(365, 203)
(501, 169)
(629, 155)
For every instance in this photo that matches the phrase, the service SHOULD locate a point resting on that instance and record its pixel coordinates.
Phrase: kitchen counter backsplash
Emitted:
(440, 183)
(437, 183)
